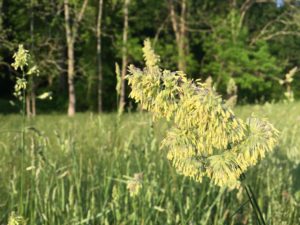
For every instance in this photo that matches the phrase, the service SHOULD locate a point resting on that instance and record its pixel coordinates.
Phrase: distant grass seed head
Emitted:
(16, 220)
(134, 185)
(206, 139)
(22, 59)
(287, 82)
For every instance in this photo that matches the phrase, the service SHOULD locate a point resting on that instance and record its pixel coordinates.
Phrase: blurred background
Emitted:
(251, 45)
(108, 168)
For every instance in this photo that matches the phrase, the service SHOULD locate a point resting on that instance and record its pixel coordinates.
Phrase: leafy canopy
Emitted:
(229, 54)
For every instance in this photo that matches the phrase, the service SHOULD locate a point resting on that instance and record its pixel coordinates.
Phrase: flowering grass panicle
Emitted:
(232, 91)
(22, 60)
(206, 138)
(287, 82)
(16, 220)
(134, 184)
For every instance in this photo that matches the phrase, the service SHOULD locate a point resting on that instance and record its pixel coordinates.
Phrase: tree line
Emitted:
(77, 44)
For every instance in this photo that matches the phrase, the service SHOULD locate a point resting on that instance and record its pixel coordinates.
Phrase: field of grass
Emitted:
(78, 169)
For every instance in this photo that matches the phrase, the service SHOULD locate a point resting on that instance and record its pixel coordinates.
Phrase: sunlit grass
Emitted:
(77, 171)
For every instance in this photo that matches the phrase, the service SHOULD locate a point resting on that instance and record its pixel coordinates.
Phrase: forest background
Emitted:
(78, 45)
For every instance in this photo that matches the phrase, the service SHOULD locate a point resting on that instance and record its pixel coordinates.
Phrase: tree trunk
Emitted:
(70, 60)
(32, 84)
(28, 105)
(71, 33)
(124, 56)
(71, 87)
(99, 55)
(182, 41)
(33, 102)
(1, 4)
(179, 28)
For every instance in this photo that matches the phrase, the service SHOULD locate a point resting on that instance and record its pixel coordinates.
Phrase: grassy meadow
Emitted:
(78, 170)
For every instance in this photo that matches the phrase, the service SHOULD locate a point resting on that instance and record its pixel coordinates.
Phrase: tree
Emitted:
(68, 40)
(1, 4)
(230, 55)
(71, 34)
(99, 54)
(124, 55)
(30, 97)
(179, 28)
(1, 28)
(4, 42)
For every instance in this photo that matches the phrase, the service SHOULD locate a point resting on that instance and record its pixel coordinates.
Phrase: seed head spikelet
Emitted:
(16, 220)
(206, 138)
(134, 184)
(21, 58)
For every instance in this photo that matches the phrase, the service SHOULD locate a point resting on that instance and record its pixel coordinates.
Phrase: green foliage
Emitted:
(207, 139)
(228, 54)
(217, 44)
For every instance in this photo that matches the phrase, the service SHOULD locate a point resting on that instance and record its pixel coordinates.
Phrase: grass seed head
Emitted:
(16, 220)
(206, 138)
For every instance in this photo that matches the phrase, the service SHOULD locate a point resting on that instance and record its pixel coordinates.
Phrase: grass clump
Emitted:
(75, 168)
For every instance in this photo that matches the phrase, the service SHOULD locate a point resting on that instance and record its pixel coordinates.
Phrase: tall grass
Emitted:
(77, 169)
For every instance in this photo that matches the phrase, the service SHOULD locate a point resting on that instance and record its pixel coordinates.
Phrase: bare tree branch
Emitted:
(174, 20)
(82, 10)
(159, 30)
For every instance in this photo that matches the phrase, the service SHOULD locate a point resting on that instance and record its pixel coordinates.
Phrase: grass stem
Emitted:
(255, 206)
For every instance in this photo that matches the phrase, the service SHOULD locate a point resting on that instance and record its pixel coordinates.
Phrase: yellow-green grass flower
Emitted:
(206, 138)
